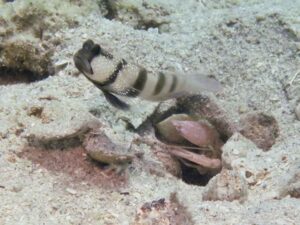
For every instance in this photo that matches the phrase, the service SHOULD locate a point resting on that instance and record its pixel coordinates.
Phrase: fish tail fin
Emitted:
(197, 82)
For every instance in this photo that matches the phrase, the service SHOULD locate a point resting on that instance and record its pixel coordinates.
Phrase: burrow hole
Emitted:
(10, 76)
(205, 108)
(262, 129)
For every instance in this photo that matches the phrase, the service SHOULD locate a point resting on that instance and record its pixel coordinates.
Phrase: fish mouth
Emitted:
(82, 63)
(85, 55)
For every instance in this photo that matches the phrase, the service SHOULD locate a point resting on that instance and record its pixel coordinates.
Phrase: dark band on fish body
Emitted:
(160, 83)
(82, 60)
(174, 83)
(112, 78)
(140, 82)
(138, 85)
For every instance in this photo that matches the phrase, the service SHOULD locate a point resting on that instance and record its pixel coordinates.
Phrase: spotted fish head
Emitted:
(85, 55)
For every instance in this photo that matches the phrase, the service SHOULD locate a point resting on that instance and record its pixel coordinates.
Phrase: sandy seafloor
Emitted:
(252, 47)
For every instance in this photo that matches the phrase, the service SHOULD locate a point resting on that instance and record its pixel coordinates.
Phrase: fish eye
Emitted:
(96, 49)
(88, 45)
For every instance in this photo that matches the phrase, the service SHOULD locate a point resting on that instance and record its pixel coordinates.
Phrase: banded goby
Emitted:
(115, 76)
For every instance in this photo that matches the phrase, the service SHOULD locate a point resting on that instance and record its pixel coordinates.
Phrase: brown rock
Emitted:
(260, 128)
(28, 55)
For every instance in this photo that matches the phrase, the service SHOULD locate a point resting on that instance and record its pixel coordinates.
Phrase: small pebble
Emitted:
(297, 111)
(242, 109)
(11, 158)
(17, 188)
(71, 191)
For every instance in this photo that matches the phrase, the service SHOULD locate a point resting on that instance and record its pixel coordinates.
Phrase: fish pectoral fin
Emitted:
(116, 102)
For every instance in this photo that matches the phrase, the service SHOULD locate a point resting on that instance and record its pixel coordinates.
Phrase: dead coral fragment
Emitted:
(136, 14)
(227, 185)
(163, 212)
(260, 128)
(39, 15)
(35, 111)
(294, 190)
(21, 55)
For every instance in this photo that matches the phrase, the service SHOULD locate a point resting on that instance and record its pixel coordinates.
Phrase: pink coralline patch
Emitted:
(74, 163)
(200, 133)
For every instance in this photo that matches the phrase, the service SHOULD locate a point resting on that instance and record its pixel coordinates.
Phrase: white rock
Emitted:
(235, 149)
(297, 111)
(228, 185)
(71, 191)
